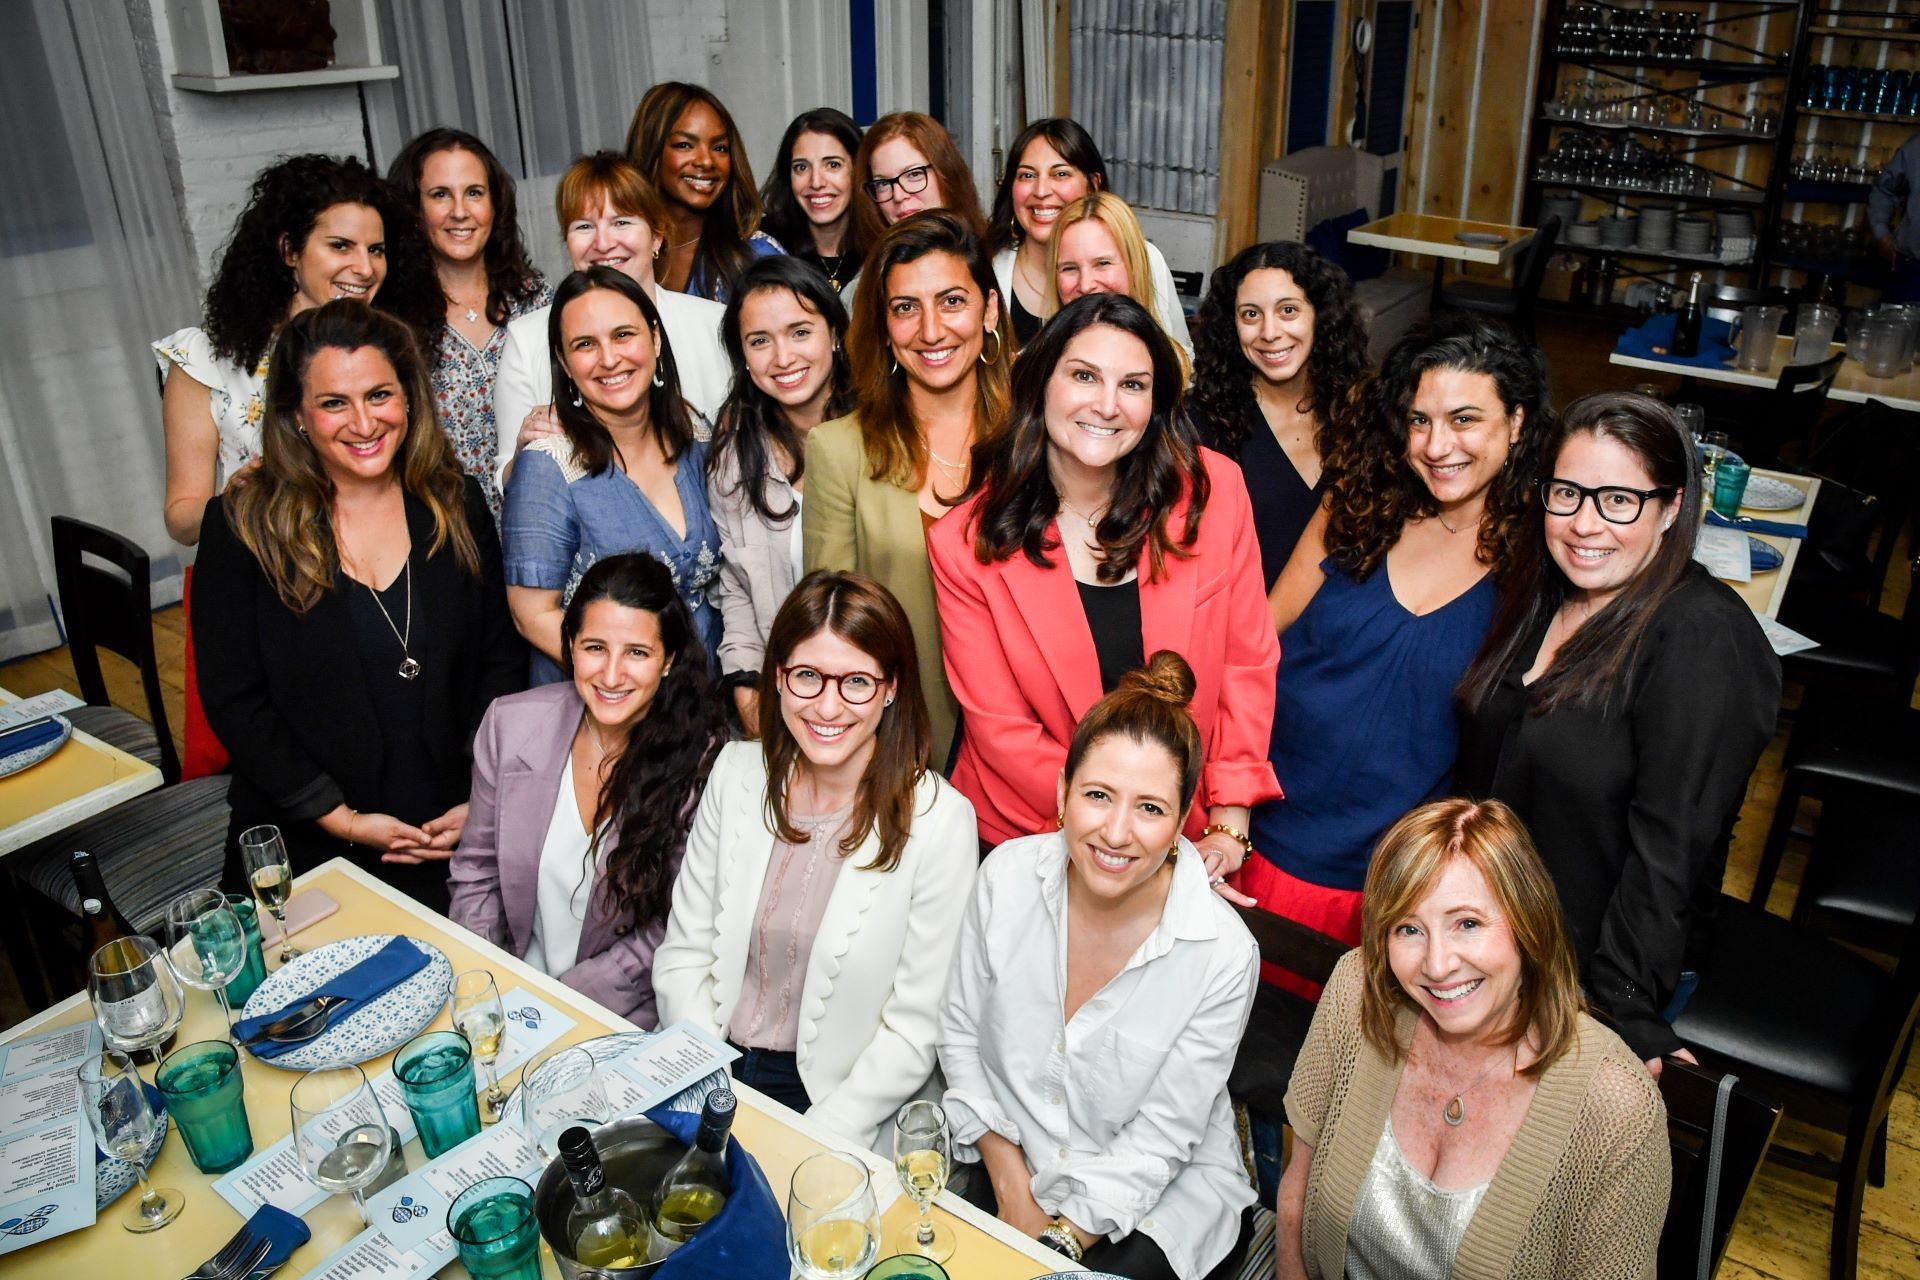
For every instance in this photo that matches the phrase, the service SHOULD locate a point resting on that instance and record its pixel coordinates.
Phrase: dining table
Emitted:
(83, 778)
(1444, 240)
(1852, 384)
(778, 1138)
(1764, 592)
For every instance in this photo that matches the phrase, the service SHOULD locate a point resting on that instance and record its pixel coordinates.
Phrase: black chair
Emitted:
(1809, 1021)
(1862, 882)
(1515, 303)
(1791, 410)
(1278, 1026)
(1863, 653)
(1707, 1195)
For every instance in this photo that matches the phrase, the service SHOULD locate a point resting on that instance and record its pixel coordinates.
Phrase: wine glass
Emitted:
(922, 1154)
(271, 874)
(340, 1131)
(833, 1229)
(123, 1124)
(473, 1002)
(561, 1090)
(135, 993)
(209, 944)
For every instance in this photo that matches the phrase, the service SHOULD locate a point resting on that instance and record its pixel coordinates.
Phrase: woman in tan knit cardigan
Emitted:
(1456, 1113)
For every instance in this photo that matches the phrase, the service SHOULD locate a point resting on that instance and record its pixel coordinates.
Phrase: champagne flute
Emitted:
(135, 993)
(559, 1091)
(474, 1005)
(833, 1228)
(209, 944)
(123, 1123)
(271, 874)
(340, 1131)
(922, 1154)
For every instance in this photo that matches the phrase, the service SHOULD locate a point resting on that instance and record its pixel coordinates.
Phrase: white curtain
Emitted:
(93, 266)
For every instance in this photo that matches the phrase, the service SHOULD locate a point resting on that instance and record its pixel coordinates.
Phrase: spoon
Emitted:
(302, 1023)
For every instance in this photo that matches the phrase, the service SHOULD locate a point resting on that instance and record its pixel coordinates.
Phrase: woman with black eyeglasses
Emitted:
(1618, 705)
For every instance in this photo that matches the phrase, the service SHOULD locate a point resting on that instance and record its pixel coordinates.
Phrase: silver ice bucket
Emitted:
(636, 1153)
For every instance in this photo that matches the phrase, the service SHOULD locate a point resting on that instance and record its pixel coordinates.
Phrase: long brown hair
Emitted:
(860, 611)
(735, 214)
(930, 138)
(896, 451)
(282, 512)
(1408, 861)
(667, 415)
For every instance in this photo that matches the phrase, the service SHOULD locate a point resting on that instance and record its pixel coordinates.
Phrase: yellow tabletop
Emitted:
(1764, 591)
(1852, 384)
(82, 778)
(1438, 237)
(779, 1138)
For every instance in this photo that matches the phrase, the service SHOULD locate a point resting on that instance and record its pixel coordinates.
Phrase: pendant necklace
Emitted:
(1093, 521)
(1455, 1112)
(1441, 517)
(408, 669)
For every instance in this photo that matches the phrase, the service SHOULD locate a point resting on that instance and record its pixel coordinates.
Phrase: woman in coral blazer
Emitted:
(1096, 535)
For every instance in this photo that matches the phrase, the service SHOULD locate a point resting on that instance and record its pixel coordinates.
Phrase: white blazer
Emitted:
(1166, 297)
(870, 1001)
(525, 381)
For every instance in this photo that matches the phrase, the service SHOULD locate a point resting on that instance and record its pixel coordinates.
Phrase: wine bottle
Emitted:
(100, 926)
(91, 884)
(695, 1189)
(1686, 325)
(604, 1225)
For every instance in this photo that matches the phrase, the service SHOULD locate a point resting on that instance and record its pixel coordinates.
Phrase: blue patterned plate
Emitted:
(377, 1027)
(612, 1048)
(112, 1177)
(1765, 556)
(19, 760)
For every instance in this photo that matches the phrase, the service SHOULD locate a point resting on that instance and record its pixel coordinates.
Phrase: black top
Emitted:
(1025, 323)
(301, 712)
(839, 269)
(399, 704)
(1632, 812)
(1113, 614)
(1282, 501)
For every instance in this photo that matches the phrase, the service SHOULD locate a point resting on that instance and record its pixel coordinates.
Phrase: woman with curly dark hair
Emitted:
(785, 333)
(683, 139)
(466, 202)
(1384, 603)
(314, 228)
(583, 791)
(1095, 535)
(808, 197)
(1279, 353)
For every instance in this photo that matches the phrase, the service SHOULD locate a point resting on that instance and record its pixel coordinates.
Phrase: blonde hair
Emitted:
(1408, 861)
(1116, 215)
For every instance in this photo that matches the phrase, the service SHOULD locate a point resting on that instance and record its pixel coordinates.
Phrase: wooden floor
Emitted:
(1782, 1234)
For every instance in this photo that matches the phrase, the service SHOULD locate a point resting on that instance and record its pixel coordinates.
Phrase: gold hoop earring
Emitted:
(995, 335)
(1061, 821)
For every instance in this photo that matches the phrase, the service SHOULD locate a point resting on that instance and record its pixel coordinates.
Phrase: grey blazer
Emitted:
(756, 560)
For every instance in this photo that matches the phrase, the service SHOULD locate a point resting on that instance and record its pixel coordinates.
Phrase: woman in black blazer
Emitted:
(350, 611)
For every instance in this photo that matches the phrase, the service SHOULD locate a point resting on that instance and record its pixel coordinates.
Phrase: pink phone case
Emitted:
(310, 906)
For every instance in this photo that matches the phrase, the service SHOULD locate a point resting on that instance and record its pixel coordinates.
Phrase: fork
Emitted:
(230, 1253)
(252, 1260)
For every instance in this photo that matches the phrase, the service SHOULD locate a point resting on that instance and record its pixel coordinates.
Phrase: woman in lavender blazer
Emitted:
(583, 791)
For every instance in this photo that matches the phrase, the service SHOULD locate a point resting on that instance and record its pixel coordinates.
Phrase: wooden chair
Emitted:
(1708, 1186)
(1280, 1018)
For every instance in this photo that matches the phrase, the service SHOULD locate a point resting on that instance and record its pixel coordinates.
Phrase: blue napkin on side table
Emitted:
(30, 735)
(368, 980)
(1752, 524)
(1653, 340)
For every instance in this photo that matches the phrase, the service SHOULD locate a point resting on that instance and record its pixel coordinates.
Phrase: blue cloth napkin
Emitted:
(286, 1231)
(747, 1239)
(1748, 524)
(393, 963)
(29, 736)
(1641, 341)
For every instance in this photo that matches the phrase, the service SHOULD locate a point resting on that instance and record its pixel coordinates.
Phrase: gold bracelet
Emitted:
(353, 817)
(1058, 1236)
(1239, 837)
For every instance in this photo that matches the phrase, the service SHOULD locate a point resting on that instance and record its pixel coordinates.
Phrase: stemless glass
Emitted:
(122, 1122)
(135, 993)
(209, 945)
(833, 1229)
(473, 1002)
(270, 872)
(493, 1226)
(922, 1155)
(561, 1090)
(340, 1131)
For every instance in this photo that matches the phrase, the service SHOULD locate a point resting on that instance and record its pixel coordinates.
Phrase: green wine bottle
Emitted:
(604, 1225)
(695, 1189)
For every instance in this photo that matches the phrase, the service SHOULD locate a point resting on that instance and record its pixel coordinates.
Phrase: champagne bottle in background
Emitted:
(1686, 325)
(91, 884)
(604, 1225)
(694, 1189)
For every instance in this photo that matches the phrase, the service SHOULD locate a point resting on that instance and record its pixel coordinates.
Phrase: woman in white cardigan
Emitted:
(816, 911)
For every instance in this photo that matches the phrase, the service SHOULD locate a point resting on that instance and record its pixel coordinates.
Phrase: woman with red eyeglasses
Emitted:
(817, 908)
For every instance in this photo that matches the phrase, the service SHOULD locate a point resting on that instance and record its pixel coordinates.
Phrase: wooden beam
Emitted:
(1240, 134)
(1062, 57)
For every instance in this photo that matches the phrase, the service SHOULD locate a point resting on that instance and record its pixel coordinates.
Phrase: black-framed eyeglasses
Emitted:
(806, 683)
(912, 181)
(1616, 503)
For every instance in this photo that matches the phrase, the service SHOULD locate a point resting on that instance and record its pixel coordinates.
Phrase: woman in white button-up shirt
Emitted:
(1096, 1003)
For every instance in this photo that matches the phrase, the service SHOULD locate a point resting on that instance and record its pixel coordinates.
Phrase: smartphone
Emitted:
(309, 906)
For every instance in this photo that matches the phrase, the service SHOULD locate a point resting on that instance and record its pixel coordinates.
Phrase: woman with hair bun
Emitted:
(1096, 1005)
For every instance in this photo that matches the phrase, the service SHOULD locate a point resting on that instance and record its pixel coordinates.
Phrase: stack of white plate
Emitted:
(1616, 232)
(1736, 222)
(1583, 233)
(1656, 227)
(1693, 235)
(1564, 207)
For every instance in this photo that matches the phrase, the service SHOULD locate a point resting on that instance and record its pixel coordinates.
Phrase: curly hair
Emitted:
(511, 276)
(652, 788)
(784, 219)
(253, 286)
(1071, 142)
(1223, 382)
(734, 214)
(1018, 501)
(280, 512)
(753, 423)
(1373, 491)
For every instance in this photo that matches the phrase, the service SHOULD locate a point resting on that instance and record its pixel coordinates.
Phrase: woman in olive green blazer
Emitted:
(929, 346)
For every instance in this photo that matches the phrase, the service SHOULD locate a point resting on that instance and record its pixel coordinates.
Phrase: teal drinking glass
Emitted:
(201, 1083)
(493, 1225)
(255, 971)
(1730, 486)
(435, 1072)
(907, 1266)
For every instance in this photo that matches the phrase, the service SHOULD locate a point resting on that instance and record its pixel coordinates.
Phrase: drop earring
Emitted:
(658, 381)
(576, 395)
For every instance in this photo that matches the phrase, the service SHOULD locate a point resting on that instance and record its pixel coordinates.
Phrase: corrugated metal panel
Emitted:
(1146, 84)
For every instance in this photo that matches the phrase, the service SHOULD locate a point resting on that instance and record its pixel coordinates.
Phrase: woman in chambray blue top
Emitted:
(626, 474)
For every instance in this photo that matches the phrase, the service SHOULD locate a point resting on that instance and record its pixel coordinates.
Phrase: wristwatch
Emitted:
(1059, 1237)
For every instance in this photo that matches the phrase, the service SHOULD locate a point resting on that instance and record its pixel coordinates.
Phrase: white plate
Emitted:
(1479, 238)
(612, 1048)
(112, 1177)
(1764, 493)
(380, 1026)
(19, 760)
